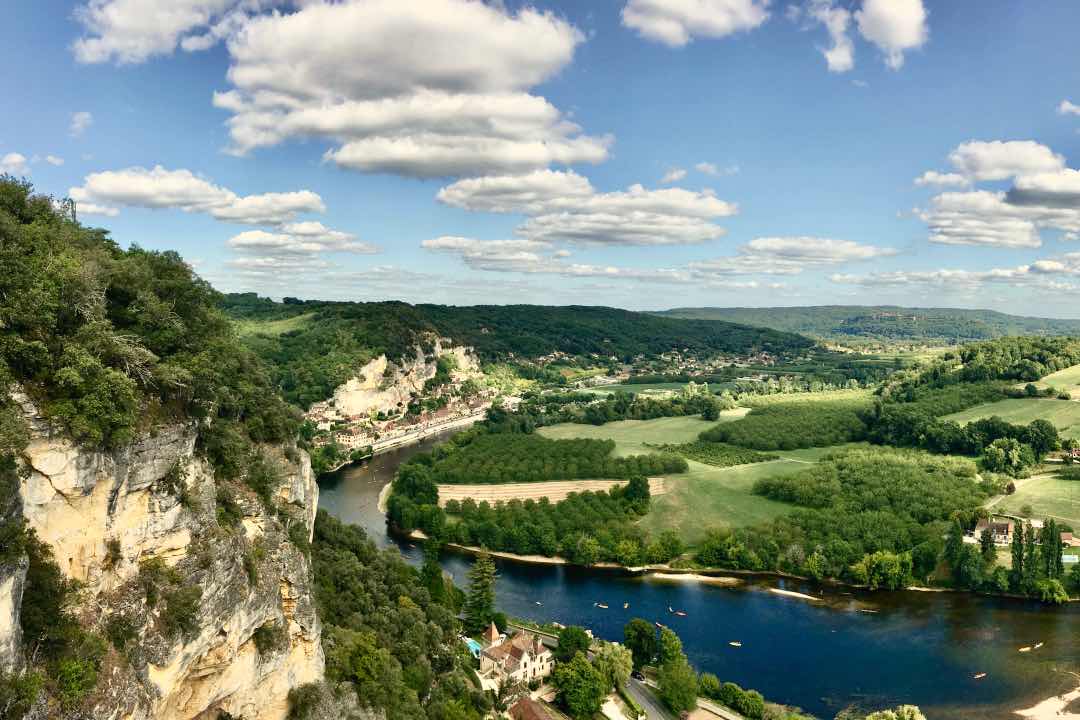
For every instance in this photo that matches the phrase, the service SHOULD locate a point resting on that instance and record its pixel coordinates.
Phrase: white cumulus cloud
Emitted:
(158, 188)
(1068, 108)
(1001, 160)
(677, 22)
(432, 89)
(895, 26)
(939, 179)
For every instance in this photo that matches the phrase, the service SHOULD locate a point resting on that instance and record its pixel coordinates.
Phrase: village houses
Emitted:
(521, 657)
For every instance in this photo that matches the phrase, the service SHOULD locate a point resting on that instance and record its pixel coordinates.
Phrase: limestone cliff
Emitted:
(383, 386)
(155, 503)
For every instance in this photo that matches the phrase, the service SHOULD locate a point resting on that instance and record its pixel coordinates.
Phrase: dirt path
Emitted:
(553, 491)
(1019, 483)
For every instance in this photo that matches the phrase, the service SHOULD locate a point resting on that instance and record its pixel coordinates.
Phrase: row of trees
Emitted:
(497, 458)
(787, 426)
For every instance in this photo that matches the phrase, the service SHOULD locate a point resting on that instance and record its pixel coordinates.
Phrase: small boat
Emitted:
(659, 625)
(866, 610)
(978, 676)
(735, 643)
(626, 606)
(1037, 646)
(670, 610)
(602, 606)
(538, 602)
(1026, 648)
(680, 613)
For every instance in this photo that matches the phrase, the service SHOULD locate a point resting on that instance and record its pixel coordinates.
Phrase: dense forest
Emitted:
(481, 457)
(327, 341)
(873, 516)
(791, 425)
(385, 633)
(886, 324)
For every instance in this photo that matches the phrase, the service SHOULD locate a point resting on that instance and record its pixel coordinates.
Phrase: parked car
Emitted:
(637, 675)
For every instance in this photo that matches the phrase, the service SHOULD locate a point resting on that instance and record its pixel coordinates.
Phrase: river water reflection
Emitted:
(866, 648)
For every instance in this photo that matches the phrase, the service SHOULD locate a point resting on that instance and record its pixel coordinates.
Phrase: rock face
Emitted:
(12, 583)
(382, 386)
(104, 513)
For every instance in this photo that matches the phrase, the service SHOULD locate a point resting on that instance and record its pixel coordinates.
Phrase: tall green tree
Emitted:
(431, 574)
(480, 602)
(1016, 576)
(615, 662)
(572, 640)
(1031, 558)
(670, 646)
(986, 545)
(640, 637)
(580, 687)
(678, 684)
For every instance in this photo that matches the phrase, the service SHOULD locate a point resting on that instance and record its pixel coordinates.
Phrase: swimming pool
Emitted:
(474, 647)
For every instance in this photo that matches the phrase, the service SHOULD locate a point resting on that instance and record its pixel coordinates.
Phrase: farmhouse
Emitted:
(529, 709)
(1001, 529)
(521, 657)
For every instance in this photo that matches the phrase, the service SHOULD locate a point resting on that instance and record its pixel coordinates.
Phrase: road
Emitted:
(646, 699)
(643, 693)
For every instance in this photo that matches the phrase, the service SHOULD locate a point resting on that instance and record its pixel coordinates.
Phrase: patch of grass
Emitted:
(1048, 496)
(1067, 379)
(272, 328)
(717, 454)
(632, 437)
(1064, 414)
(707, 497)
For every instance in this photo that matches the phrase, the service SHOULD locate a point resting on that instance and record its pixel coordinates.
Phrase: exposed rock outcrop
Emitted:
(382, 386)
(12, 584)
(105, 513)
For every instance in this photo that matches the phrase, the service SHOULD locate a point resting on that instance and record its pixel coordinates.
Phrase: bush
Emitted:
(229, 512)
(113, 554)
(181, 611)
(268, 637)
(18, 692)
(121, 630)
(304, 701)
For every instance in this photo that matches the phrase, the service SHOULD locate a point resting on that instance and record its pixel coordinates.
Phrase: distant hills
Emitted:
(885, 323)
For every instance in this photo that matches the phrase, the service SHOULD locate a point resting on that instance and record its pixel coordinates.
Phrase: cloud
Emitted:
(54, 160)
(532, 193)
(14, 163)
(708, 168)
(982, 217)
(840, 57)
(1001, 160)
(133, 31)
(815, 250)
(761, 256)
(933, 177)
(1053, 274)
(673, 175)
(676, 22)
(1068, 108)
(80, 121)
(459, 107)
(159, 188)
(306, 238)
(895, 26)
(564, 207)
(1059, 189)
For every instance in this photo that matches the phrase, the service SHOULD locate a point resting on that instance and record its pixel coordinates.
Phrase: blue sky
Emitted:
(637, 153)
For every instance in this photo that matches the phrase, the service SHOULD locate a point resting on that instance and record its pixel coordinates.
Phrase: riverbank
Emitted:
(413, 437)
(1053, 708)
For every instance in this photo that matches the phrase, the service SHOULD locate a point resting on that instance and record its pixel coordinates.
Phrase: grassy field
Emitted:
(630, 436)
(273, 328)
(706, 497)
(1067, 379)
(1048, 496)
(1065, 415)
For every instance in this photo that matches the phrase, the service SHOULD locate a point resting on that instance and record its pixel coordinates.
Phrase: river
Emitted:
(872, 649)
